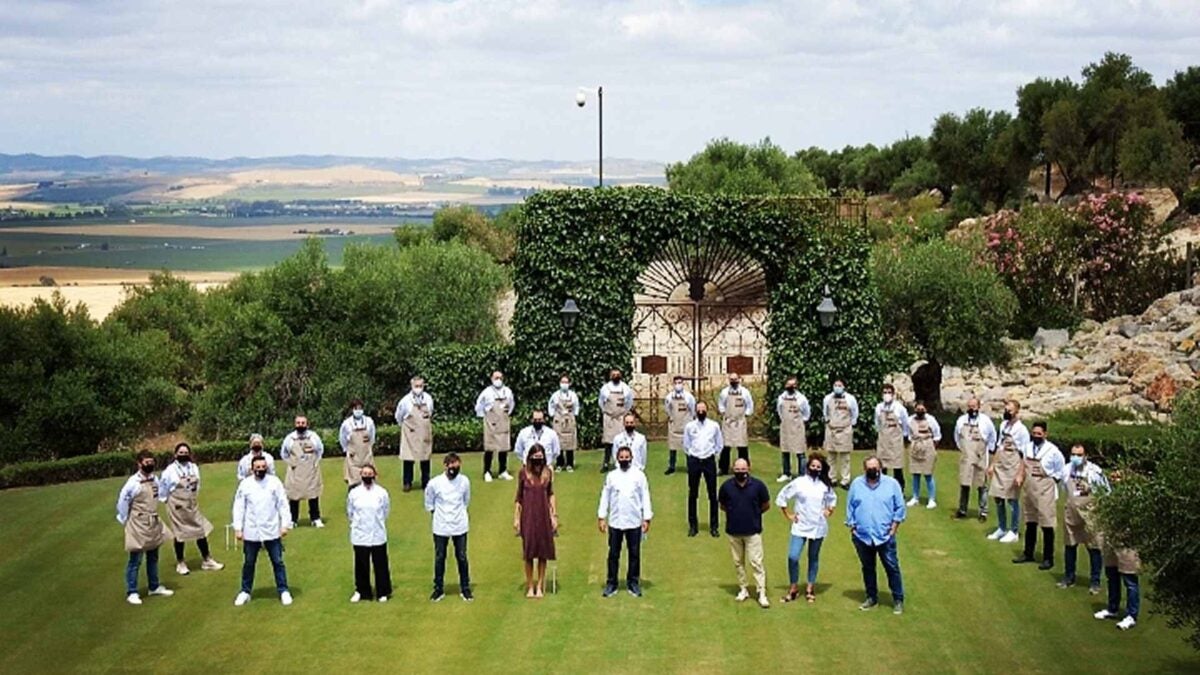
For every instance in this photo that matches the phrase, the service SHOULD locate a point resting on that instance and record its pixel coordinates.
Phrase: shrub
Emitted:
(455, 374)
(1191, 200)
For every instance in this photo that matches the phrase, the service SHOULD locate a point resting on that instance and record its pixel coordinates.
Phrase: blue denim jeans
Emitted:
(440, 544)
(1115, 579)
(1003, 506)
(274, 552)
(1071, 553)
(930, 486)
(131, 570)
(886, 552)
(795, 548)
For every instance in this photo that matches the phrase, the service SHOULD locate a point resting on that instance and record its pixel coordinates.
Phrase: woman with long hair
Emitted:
(811, 499)
(535, 518)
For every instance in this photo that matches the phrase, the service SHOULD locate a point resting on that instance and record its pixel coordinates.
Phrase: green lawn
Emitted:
(968, 610)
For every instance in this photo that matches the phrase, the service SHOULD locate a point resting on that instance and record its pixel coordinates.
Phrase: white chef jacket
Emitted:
(244, 468)
(448, 500)
(987, 429)
(546, 436)
(260, 509)
(625, 499)
(350, 425)
(488, 396)
(367, 510)
(809, 498)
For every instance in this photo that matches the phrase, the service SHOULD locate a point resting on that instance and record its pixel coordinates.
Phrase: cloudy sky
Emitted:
(497, 78)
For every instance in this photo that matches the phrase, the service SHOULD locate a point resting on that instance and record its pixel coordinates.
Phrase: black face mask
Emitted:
(300, 430)
(815, 473)
(183, 459)
(790, 390)
(741, 476)
(537, 462)
(972, 414)
(701, 416)
(256, 450)
(625, 464)
(629, 429)
(872, 474)
(538, 424)
(920, 414)
(1007, 415)
(147, 469)
(452, 472)
(616, 379)
(260, 473)
(367, 480)
(1038, 441)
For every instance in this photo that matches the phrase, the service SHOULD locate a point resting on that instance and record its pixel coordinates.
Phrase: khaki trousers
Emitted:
(748, 547)
(839, 469)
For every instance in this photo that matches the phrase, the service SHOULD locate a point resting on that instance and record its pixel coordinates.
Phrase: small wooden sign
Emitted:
(654, 364)
(742, 365)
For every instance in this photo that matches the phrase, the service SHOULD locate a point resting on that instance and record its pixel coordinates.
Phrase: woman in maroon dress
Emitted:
(535, 518)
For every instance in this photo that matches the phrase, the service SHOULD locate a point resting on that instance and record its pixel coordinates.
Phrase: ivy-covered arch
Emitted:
(591, 245)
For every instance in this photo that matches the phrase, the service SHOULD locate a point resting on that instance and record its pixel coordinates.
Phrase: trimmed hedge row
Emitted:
(448, 436)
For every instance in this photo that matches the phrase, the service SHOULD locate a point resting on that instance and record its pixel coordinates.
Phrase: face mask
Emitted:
(838, 391)
(1038, 441)
(147, 468)
(538, 425)
(565, 386)
(537, 462)
(701, 416)
(497, 383)
(679, 389)
(256, 449)
(790, 389)
(920, 414)
(815, 473)
(1007, 416)
(733, 386)
(1076, 461)
(872, 474)
(367, 480)
(260, 473)
(629, 429)
(183, 459)
(616, 379)
(417, 391)
(300, 430)
(452, 472)
(625, 464)
(741, 476)
(972, 414)
(888, 398)
(358, 414)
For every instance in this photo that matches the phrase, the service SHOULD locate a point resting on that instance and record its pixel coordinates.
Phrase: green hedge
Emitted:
(455, 375)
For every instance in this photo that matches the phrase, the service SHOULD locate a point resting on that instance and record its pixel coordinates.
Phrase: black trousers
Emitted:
(633, 540)
(696, 468)
(743, 453)
(487, 461)
(408, 472)
(364, 557)
(314, 509)
(201, 543)
(460, 556)
(1031, 530)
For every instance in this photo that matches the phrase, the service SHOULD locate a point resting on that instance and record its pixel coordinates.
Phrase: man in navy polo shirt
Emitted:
(874, 510)
(744, 499)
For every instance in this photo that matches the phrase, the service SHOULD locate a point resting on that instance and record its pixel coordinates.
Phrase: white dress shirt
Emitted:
(173, 475)
(987, 430)
(568, 396)
(934, 428)
(260, 509)
(367, 510)
(636, 443)
(128, 491)
(625, 499)
(1092, 474)
(809, 498)
(897, 409)
(285, 448)
(1018, 431)
(243, 467)
(448, 500)
(724, 395)
(702, 439)
(405, 407)
(350, 425)
(487, 398)
(1050, 457)
(546, 437)
(805, 409)
(625, 390)
(687, 397)
(851, 402)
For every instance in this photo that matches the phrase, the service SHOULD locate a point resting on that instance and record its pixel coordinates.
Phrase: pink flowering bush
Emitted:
(1031, 252)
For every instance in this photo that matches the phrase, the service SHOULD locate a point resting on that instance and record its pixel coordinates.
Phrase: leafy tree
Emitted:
(1064, 140)
(1182, 98)
(1034, 101)
(1116, 96)
(174, 306)
(921, 176)
(409, 234)
(979, 151)
(468, 225)
(729, 167)
(825, 166)
(1156, 154)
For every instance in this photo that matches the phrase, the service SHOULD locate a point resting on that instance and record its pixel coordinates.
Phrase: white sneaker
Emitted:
(931, 505)
(133, 599)
(1105, 614)
(1009, 538)
(997, 534)
(211, 565)
(506, 475)
(1127, 623)
(356, 597)
(570, 469)
(763, 601)
(241, 599)
(487, 476)
(285, 598)
(163, 591)
(383, 598)
(742, 595)
(318, 523)
(914, 501)
(783, 478)
(182, 568)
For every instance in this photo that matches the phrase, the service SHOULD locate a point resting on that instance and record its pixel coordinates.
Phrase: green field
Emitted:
(968, 610)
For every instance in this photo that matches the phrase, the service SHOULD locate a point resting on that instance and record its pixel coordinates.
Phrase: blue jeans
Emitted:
(1013, 505)
(131, 570)
(795, 548)
(930, 486)
(274, 552)
(440, 544)
(1132, 589)
(1071, 553)
(891, 565)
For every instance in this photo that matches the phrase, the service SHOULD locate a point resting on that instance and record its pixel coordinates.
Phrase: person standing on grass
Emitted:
(736, 406)
(744, 499)
(633, 439)
(1042, 469)
(261, 519)
(302, 450)
(180, 489)
(1003, 471)
(357, 438)
(563, 410)
(447, 497)
(794, 413)
(413, 414)
(367, 508)
(256, 451)
(137, 511)
(840, 411)
(537, 433)
(680, 407)
(1083, 482)
(1121, 568)
(924, 432)
(624, 515)
(535, 518)
(495, 406)
(702, 442)
(812, 499)
(874, 511)
(975, 437)
(616, 399)
(891, 423)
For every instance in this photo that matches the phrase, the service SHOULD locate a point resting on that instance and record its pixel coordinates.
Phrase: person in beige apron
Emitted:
(495, 406)
(890, 421)
(840, 411)
(414, 414)
(680, 406)
(1121, 568)
(180, 489)
(1042, 468)
(302, 450)
(736, 406)
(975, 438)
(357, 438)
(924, 432)
(1084, 481)
(137, 511)
(563, 410)
(616, 399)
(1003, 470)
(794, 413)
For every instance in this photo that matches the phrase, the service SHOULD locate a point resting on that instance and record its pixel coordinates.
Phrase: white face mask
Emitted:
(358, 413)
(888, 398)
(497, 383)
(679, 389)
(565, 386)
(417, 391)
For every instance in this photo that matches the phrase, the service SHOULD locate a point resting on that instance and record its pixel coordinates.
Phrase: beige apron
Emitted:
(733, 422)
(1038, 496)
(143, 529)
(889, 445)
(839, 435)
(1005, 466)
(614, 415)
(1079, 517)
(358, 454)
(416, 434)
(792, 434)
(972, 460)
(304, 471)
(922, 453)
(564, 423)
(1126, 560)
(183, 508)
(678, 415)
(497, 428)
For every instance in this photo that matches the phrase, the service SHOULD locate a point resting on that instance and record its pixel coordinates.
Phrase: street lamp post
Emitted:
(569, 314)
(581, 100)
(827, 311)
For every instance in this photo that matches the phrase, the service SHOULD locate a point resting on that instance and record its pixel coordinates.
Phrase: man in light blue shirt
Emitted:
(874, 510)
